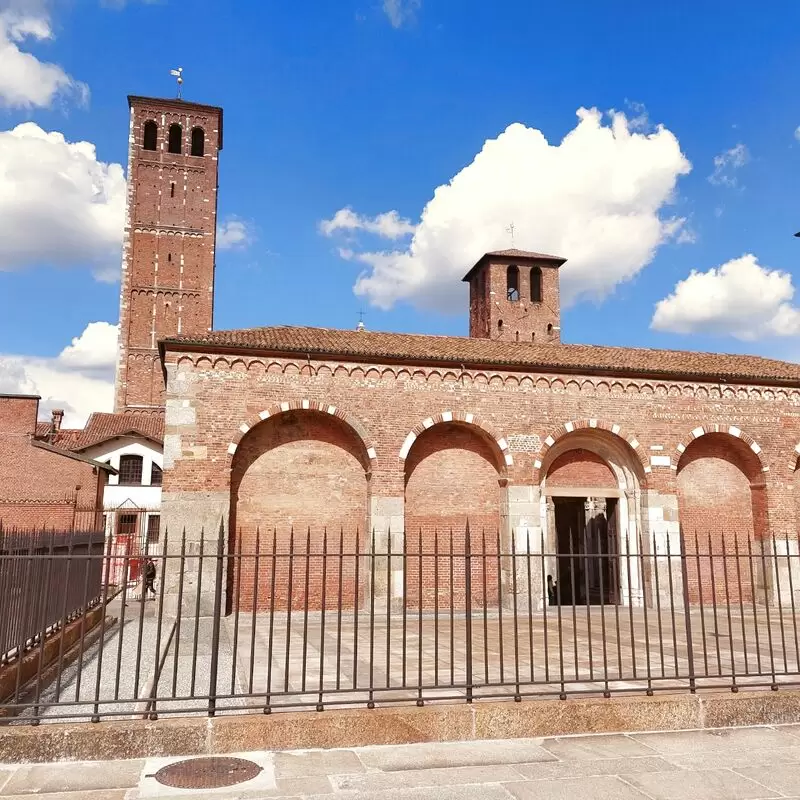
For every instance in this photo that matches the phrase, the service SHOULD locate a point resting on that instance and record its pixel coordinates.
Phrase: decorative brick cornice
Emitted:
(304, 405)
(466, 417)
(587, 425)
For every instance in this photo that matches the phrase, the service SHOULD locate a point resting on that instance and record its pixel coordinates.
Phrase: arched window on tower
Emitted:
(198, 142)
(150, 138)
(175, 138)
(512, 282)
(536, 285)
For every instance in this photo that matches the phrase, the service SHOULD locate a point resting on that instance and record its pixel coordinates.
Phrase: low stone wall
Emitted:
(360, 727)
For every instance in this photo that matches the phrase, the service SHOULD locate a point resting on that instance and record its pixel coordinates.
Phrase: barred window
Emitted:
(130, 471)
(126, 525)
(153, 528)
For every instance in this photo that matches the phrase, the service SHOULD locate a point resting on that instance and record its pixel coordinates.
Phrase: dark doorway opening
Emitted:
(587, 571)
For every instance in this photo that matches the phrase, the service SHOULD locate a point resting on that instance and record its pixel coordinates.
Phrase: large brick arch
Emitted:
(722, 503)
(303, 405)
(499, 442)
(730, 430)
(628, 441)
(300, 483)
(454, 469)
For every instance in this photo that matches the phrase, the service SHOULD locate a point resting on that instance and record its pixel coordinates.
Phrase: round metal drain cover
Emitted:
(207, 773)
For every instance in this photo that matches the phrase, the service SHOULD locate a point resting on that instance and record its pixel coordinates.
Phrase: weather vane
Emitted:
(510, 229)
(178, 75)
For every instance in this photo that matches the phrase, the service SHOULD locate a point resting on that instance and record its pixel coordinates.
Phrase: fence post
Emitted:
(468, 607)
(686, 614)
(212, 683)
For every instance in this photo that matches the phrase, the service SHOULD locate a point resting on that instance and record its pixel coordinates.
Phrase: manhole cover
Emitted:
(207, 773)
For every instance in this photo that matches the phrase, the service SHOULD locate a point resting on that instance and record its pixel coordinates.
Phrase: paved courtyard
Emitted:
(729, 764)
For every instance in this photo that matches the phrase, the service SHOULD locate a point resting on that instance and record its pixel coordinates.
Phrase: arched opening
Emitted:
(591, 483)
(175, 138)
(198, 142)
(512, 282)
(150, 137)
(722, 505)
(299, 480)
(536, 285)
(453, 474)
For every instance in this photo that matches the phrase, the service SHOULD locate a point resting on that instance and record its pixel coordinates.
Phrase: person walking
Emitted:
(150, 577)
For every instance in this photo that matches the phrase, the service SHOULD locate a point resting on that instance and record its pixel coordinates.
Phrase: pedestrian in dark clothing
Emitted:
(150, 577)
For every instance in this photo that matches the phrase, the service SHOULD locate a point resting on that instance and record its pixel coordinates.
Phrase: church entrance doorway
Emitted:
(587, 551)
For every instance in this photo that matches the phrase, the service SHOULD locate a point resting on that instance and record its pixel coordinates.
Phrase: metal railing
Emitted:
(311, 620)
(46, 580)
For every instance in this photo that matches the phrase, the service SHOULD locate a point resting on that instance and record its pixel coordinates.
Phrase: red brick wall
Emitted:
(168, 265)
(39, 488)
(717, 503)
(581, 469)
(299, 471)
(451, 477)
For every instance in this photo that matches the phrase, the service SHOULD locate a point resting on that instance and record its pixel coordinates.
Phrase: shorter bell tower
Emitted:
(514, 297)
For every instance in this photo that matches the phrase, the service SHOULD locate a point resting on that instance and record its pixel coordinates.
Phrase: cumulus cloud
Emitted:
(726, 165)
(25, 81)
(401, 12)
(80, 379)
(59, 204)
(234, 234)
(740, 298)
(596, 198)
(389, 225)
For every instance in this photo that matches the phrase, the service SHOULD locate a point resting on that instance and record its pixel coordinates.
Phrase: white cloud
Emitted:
(58, 204)
(400, 12)
(595, 198)
(726, 164)
(25, 81)
(740, 298)
(686, 235)
(389, 225)
(797, 133)
(94, 349)
(80, 379)
(234, 234)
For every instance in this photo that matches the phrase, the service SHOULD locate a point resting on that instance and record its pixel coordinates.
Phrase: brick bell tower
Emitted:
(169, 246)
(514, 297)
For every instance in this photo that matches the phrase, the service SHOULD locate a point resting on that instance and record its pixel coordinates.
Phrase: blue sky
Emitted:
(372, 105)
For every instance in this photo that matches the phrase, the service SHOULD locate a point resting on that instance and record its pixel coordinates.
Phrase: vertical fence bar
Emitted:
(776, 571)
(419, 624)
(671, 586)
(734, 688)
(741, 601)
(657, 593)
(271, 630)
(641, 565)
(356, 610)
(123, 607)
(468, 608)
(574, 603)
(714, 604)
(687, 615)
(323, 610)
(371, 701)
(178, 613)
(405, 610)
(794, 610)
(82, 638)
(452, 613)
(606, 689)
(339, 610)
(701, 599)
(436, 608)
(755, 606)
(764, 582)
(305, 609)
(517, 695)
(290, 564)
(104, 606)
(500, 634)
(236, 601)
(198, 598)
(530, 600)
(389, 609)
(545, 603)
(215, 629)
(43, 622)
(254, 612)
(485, 604)
(630, 601)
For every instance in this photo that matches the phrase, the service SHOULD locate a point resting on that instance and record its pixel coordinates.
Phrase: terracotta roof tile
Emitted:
(375, 347)
(514, 253)
(102, 427)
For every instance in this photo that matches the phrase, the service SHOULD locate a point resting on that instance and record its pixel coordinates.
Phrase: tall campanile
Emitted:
(170, 240)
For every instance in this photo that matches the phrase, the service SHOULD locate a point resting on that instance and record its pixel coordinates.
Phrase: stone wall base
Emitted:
(400, 725)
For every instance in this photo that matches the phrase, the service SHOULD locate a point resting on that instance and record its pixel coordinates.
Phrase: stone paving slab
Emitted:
(558, 770)
(418, 778)
(710, 784)
(734, 759)
(708, 741)
(602, 788)
(783, 778)
(576, 748)
(315, 763)
(454, 754)
(100, 794)
(51, 778)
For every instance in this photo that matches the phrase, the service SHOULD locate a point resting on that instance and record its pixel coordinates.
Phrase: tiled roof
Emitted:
(376, 347)
(65, 438)
(514, 254)
(102, 427)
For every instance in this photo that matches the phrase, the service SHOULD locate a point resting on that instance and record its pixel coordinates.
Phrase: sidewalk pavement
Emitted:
(727, 764)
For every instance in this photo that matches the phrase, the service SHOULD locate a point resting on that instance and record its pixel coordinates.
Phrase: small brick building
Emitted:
(44, 485)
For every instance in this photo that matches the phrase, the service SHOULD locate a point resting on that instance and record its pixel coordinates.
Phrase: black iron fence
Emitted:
(46, 580)
(314, 619)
